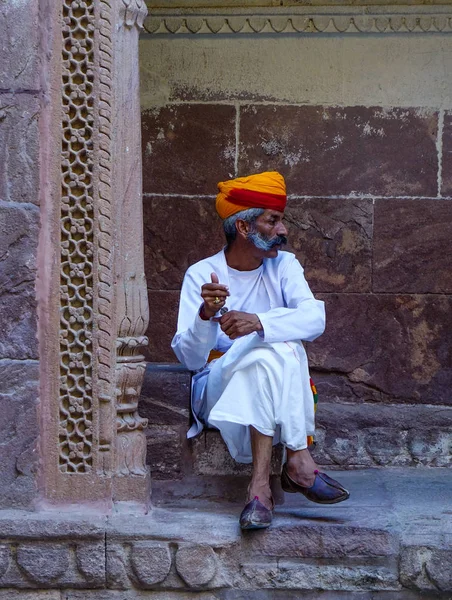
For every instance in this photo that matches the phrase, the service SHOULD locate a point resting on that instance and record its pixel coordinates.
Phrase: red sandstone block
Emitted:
(177, 233)
(446, 188)
(165, 395)
(341, 151)
(386, 347)
(162, 325)
(410, 241)
(332, 240)
(188, 148)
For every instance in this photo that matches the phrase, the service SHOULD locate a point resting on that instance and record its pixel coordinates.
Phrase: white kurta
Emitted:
(262, 380)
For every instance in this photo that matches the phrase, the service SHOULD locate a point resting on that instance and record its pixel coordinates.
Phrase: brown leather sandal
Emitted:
(324, 490)
(255, 515)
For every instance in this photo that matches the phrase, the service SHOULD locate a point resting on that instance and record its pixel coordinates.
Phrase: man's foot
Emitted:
(301, 467)
(261, 491)
(255, 515)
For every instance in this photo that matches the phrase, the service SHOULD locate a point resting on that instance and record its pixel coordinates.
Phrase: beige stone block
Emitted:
(347, 70)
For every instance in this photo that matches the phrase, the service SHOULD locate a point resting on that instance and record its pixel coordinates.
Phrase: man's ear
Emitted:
(243, 227)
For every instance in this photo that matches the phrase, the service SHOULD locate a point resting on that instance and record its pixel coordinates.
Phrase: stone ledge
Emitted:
(362, 545)
(349, 434)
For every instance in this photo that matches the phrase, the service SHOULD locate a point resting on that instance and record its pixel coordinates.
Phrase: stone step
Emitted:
(391, 540)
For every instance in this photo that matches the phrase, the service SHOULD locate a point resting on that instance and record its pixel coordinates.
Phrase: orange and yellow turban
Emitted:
(264, 190)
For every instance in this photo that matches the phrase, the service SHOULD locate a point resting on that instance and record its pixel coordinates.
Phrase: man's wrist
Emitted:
(258, 324)
(202, 313)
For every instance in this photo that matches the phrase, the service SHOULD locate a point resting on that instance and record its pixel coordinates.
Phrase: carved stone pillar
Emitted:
(132, 307)
(92, 291)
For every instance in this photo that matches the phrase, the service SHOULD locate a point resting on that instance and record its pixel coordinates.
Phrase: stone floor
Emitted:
(391, 540)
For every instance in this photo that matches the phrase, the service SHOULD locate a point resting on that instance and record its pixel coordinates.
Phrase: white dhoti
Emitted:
(262, 384)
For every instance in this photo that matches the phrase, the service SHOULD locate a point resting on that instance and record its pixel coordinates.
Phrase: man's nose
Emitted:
(281, 229)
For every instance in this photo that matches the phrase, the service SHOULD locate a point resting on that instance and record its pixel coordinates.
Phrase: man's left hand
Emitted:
(236, 324)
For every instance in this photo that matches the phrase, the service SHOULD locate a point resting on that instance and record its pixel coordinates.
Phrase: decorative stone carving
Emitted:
(131, 441)
(133, 12)
(151, 562)
(131, 293)
(43, 562)
(90, 559)
(300, 19)
(196, 564)
(104, 233)
(77, 222)
(93, 428)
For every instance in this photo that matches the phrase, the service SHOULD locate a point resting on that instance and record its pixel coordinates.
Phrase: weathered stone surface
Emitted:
(439, 569)
(116, 563)
(331, 151)
(18, 432)
(187, 149)
(375, 434)
(386, 348)
(135, 595)
(177, 233)
(162, 326)
(408, 248)
(19, 45)
(274, 594)
(350, 70)
(383, 444)
(211, 457)
(19, 228)
(446, 187)
(151, 562)
(43, 563)
(332, 240)
(165, 395)
(168, 453)
(426, 569)
(235, 594)
(5, 559)
(328, 541)
(287, 575)
(91, 562)
(19, 148)
(196, 564)
(24, 595)
(430, 446)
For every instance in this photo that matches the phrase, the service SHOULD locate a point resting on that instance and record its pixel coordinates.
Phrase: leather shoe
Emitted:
(324, 490)
(255, 515)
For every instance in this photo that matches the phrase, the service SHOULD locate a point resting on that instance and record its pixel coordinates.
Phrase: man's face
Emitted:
(269, 234)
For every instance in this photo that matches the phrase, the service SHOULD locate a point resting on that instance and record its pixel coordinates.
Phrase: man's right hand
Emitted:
(214, 295)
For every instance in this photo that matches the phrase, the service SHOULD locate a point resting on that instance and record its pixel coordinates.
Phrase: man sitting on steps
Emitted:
(243, 315)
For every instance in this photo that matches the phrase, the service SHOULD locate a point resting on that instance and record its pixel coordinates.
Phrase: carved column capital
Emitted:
(133, 12)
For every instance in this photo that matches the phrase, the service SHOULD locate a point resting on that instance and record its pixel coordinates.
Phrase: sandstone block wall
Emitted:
(20, 90)
(361, 128)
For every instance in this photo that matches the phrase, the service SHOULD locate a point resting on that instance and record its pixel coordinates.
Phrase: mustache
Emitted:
(279, 240)
(266, 243)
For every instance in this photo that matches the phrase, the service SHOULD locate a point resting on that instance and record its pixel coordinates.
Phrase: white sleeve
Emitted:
(303, 318)
(195, 337)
